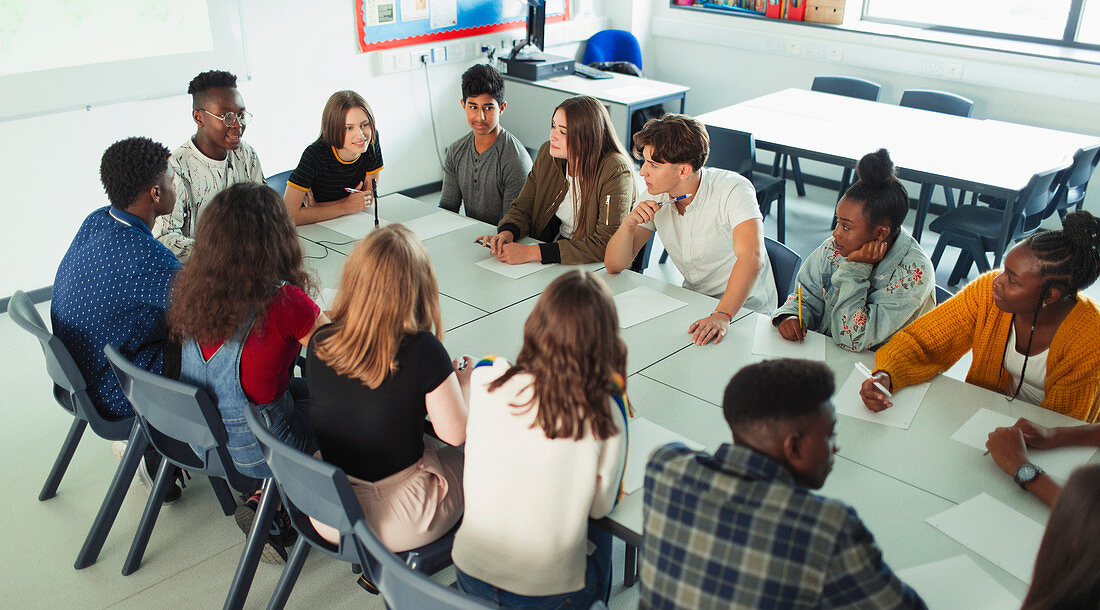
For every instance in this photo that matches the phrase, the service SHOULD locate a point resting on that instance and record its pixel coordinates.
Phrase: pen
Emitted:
(864, 370)
(462, 365)
(800, 325)
(681, 197)
(351, 190)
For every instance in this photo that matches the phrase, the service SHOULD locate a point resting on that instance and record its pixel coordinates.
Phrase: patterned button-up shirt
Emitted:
(112, 287)
(734, 530)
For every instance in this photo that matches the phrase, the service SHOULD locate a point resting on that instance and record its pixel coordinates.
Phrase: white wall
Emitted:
(298, 57)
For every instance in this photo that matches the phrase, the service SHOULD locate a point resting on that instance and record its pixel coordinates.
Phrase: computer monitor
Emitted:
(535, 41)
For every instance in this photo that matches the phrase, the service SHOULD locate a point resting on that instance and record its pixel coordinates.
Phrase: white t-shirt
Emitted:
(701, 241)
(566, 210)
(1035, 377)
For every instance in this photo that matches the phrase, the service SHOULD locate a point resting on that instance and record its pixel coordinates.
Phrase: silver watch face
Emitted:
(1026, 474)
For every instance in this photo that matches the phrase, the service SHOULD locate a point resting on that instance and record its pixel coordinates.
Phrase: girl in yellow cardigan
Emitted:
(1034, 337)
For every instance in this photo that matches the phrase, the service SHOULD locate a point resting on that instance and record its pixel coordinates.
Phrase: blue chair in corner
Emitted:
(785, 265)
(944, 103)
(837, 85)
(312, 488)
(612, 45)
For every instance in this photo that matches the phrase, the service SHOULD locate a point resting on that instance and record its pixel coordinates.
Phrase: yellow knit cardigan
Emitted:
(970, 321)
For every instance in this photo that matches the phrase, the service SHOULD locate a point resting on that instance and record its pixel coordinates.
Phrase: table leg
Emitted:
(630, 569)
(683, 98)
(1006, 224)
(923, 202)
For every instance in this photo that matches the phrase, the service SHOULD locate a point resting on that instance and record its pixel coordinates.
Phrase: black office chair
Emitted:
(975, 229)
(1076, 182)
(185, 427)
(312, 488)
(736, 151)
(785, 265)
(836, 85)
(945, 103)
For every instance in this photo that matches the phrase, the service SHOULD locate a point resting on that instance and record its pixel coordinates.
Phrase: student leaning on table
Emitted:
(714, 235)
(870, 278)
(1033, 335)
(577, 192)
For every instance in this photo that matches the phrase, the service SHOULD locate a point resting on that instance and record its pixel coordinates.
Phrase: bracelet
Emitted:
(723, 313)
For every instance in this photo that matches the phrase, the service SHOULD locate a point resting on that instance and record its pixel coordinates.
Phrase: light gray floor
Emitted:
(194, 549)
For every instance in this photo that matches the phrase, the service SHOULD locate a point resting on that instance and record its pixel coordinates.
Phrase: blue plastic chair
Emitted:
(837, 85)
(1076, 182)
(945, 103)
(278, 181)
(975, 229)
(613, 45)
(785, 265)
(184, 426)
(312, 488)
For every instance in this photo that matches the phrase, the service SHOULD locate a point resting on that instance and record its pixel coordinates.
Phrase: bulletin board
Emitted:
(385, 24)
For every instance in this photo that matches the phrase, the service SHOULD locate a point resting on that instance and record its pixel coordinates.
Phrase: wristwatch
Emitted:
(1026, 474)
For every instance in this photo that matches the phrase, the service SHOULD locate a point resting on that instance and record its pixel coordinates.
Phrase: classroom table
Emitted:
(532, 103)
(894, 478)
(985, 156)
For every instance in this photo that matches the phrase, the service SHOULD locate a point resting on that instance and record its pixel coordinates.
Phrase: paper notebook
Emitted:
(958, 582)
(355, 226)
(767, 341)
(644, 437)
(513, 271)
(989, 528)
(640, 304)
(437, 223)
(906, 401)
(1058, 463)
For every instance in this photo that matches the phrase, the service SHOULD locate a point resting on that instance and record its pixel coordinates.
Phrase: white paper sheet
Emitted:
(768, 342)
(326, 299)
(354, 226)
(644, 437)
(640, 304)
(378, 12)
(1058, 463)
(513, 271)
(958, 582)
(411, 10)
(444, 13)
(994, 531)
(906, 402)
(437, 223)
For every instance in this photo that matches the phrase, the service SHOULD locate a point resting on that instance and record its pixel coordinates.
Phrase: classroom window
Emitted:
(1089, 31)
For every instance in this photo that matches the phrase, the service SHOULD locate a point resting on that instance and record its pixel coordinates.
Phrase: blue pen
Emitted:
(675, 200)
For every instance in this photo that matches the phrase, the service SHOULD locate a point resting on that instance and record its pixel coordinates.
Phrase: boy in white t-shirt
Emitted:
(707, 219)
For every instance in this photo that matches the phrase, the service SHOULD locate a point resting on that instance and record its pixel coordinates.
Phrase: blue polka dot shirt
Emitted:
(112, 287)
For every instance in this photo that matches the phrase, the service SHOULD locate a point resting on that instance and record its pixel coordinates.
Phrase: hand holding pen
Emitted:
(646, 210)
(875, 390)
(357, 200)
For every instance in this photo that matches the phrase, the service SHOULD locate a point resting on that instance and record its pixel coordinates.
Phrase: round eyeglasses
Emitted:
(230, 118)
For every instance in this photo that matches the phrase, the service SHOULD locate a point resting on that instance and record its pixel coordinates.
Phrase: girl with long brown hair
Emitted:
(242, 313)
(580, 187)
(545, 450)
(374, 374)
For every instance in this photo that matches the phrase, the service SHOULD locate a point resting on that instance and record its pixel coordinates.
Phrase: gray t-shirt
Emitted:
(486, 184)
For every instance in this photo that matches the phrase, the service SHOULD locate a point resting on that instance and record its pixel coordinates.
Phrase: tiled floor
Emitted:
(194, 549)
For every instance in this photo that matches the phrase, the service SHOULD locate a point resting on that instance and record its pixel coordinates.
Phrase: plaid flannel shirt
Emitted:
(735, 530)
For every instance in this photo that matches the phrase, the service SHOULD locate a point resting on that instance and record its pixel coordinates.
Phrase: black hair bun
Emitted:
(1082, 229)
(876, 169)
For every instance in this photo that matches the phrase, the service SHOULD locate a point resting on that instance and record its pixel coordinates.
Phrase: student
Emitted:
(374, 374)
(545, 450)
(1032, 333)
(1068, 561)
(345, 156)
(715, 235)
(486, 168)
(1008, 448)
(241, 309)
(209, 161)
(577, 192)
(743, 528)
(870, 278)
(112, 285)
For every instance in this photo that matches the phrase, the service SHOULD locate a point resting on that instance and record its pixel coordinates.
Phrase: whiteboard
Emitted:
(58, 55)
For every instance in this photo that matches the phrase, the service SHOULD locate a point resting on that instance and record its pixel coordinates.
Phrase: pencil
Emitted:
(800, 305)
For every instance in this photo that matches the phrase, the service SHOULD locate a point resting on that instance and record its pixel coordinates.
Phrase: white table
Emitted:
(533, 102)
(984, 156)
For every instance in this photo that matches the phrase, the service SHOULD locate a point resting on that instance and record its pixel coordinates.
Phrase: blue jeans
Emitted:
(597, 582)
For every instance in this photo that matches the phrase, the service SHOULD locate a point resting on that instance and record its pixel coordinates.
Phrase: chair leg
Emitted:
(781, 216)
(980, 260)
(290, 574)
(779, 164)
(937, 253)
(112, 502)
(630, 568)
(253, 546)
(962, 266)
(796, 169)
(664, 257)
(61, 464)
(224, 495)
(949, 197)
(148, 519)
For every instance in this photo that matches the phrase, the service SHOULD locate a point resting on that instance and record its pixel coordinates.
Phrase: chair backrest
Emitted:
(942, 294)
(847, 86)
(1077, 178)
(613, 45)
(936, 101)
(785, 264)
(278, 181)
(180, 420)
(731, 149)
(1036, 202)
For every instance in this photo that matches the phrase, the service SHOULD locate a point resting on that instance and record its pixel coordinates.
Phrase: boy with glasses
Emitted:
(209, 161)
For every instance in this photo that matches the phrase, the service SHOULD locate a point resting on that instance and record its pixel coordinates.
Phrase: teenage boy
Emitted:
(212, 159)
(485, 169)
(742, 528)
(707, 219)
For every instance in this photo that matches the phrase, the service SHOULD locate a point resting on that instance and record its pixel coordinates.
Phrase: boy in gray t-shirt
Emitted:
(485, 169)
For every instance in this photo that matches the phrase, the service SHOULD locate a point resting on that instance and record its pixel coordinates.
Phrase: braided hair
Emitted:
(885, 200)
